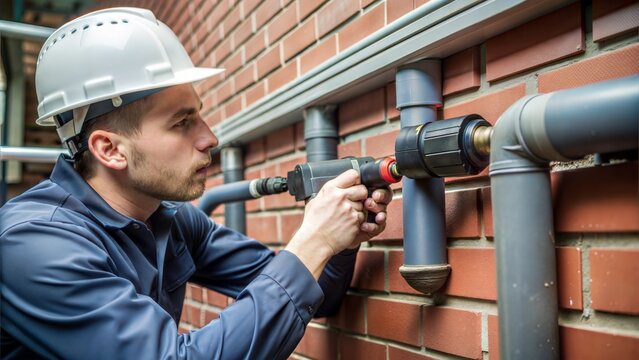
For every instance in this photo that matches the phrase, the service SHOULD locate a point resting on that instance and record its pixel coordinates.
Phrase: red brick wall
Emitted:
(266, 44)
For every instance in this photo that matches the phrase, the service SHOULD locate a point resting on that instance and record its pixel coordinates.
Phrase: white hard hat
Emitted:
(107, 55)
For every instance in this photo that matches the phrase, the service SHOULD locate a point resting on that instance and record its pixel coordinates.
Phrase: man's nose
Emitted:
(206, 139)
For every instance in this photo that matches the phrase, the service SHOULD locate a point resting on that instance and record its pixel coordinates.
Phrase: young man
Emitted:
(95, 260)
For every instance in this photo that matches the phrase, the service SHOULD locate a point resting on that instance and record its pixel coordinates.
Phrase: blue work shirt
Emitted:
(82, 281)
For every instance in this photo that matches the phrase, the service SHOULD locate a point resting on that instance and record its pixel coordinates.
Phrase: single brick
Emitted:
(318, 343)
(255, 93)
(317, 55)
(351, 315)
(280, 142)
(453, 331)
(462, 218)
(493, 337)
(461, 71)
(223, 50)
(394, 320)
(552, 37)
(379, 146)
(396, 282)
(210, 316)
(255, 152)
(335, 13)
(396, 353)
(245, 77)
(242, 33)
(299, 39)
(592, 344)
(490, 106)
(289, 225)
(195, 292)
(569, 278)
(233, 107)
(614, 275)
(369, 271)
(194, 315)
(361, 27)
(612, 18)
(282, 24)
(216, 299)
(610, 65)
(282, 76)
(472, 273)
(268, 62)
(255, 45)
(581, 205)
(262, 228)
(353, 148)
(397, 8)
(361, 112)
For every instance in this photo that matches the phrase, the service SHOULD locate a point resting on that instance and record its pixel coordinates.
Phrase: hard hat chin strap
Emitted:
(71, 124)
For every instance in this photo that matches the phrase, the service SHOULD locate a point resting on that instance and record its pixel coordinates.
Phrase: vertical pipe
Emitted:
(425, 264)
(320, 133)
(233, 168)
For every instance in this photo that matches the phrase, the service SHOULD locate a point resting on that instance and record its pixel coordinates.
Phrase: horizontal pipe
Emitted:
(16, 30)
(31, 154)
(226, 193)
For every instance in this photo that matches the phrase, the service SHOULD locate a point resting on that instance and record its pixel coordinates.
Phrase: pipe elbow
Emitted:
(509, 152)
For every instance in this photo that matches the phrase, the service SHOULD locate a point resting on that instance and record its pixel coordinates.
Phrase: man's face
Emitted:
(169, 157)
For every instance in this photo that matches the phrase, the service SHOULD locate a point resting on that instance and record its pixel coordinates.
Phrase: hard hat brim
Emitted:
(191, 75)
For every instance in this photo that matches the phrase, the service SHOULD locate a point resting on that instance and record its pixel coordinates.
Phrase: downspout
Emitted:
(320, 133)
(425, 266)
(558, 126)
(233, 170)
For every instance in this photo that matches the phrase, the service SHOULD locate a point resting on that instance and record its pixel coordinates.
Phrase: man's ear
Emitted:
(107, 148)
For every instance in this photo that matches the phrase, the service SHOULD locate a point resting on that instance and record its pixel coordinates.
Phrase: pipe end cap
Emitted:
(425, 278)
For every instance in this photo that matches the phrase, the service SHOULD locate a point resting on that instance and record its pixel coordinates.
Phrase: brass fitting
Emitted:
(481, 139)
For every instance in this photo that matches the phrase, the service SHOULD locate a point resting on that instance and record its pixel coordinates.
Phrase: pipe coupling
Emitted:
(425, 278)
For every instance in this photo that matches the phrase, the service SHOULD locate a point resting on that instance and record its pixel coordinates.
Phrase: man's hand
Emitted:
(336, 219)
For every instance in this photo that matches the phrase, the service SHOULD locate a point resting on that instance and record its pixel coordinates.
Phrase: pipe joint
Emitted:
(509, 151)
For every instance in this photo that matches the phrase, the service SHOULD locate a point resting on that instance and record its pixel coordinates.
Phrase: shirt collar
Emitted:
(70, 180)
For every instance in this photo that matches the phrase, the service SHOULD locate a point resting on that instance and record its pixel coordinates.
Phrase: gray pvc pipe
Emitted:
(533, 131)
(320, 133)
(233, 169)
(425, 263)
(226, 193)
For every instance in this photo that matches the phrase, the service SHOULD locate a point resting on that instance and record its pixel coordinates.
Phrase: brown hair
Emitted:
(124, 121)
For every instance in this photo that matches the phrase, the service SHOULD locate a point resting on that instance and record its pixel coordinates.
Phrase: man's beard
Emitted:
(165, 183)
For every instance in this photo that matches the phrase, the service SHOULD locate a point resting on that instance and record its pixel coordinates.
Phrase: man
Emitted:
(95, 260)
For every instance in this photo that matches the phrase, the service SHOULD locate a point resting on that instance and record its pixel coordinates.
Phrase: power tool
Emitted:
(306, 180)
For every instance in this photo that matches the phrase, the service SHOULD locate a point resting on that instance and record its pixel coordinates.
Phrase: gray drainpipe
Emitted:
(559, 126)
(320, 133)
(425, 266)
(233, 169)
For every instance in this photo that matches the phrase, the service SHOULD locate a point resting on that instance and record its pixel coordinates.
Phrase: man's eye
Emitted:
(181, 123)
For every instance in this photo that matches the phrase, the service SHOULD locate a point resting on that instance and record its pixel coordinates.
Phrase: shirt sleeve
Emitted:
(227, 261)
(61, 297)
